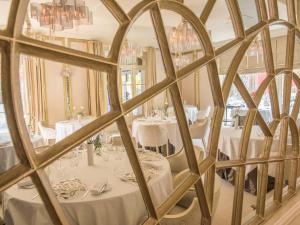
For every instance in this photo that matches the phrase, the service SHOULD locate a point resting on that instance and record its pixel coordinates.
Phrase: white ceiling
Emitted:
(105, 25)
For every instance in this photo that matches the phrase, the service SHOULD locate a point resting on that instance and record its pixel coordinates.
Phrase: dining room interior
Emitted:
(131, 112)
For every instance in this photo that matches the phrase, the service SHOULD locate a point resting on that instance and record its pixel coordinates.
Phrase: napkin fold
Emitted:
(100, 188)
(26, 183)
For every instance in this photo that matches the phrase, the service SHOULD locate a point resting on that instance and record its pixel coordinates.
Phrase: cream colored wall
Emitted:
(79, 79)
(160, 75)
(55, 86)
(55, 91)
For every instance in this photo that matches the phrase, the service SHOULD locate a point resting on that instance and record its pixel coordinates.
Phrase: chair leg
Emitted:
(157, 149)
(167, 149)
(204, 144)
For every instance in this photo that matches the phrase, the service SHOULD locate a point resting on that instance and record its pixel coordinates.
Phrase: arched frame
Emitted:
(13, 43)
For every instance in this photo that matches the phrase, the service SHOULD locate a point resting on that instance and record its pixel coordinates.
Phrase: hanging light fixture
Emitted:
(130, 53)
(59, 15)
(183, 38)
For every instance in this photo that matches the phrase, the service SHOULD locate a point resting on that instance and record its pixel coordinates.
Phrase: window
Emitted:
(133, 84)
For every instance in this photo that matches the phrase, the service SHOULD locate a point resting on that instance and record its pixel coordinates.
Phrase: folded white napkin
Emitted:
(100, 188)
(26, 183)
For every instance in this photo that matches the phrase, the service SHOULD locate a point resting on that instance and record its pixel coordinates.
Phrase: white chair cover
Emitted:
(198, 130)
(152, 135)
(46, 132)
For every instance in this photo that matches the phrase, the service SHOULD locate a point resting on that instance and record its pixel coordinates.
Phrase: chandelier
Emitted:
(59, 15)
(130, 53)
(183, 38)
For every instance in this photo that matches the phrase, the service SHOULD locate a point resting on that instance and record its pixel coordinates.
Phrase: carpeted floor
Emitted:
(223, 212)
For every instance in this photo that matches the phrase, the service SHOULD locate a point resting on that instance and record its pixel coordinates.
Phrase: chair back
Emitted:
(178, 161)
(152, 135)
(207, 111)
(198, 129)
(190, 216)
(46, 132)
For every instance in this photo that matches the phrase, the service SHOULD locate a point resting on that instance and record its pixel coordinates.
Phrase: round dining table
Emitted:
(67, 127)
(8, 157)
(230, 140)
(191, 112)
(122, 204)
(168, 123)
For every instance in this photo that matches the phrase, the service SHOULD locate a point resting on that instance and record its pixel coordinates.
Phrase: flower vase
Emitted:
(90, 154)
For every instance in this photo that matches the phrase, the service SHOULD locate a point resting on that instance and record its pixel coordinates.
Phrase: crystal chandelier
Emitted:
(59, 15)
(130, 53)
(183, 38)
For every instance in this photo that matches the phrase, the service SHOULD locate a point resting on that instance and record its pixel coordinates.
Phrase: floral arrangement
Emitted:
(97, 144)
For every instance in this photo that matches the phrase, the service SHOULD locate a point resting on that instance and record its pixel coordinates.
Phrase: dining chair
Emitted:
(47, 133)
(199, 129)
(178, 161)
(187, 210)
(152, 135)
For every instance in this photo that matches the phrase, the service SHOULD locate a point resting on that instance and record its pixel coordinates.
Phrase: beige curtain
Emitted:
(150, 76)
(36, 91)
(97, 85)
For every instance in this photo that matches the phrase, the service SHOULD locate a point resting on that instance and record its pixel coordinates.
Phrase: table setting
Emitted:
(167, 123)
(102, 193)
(67, 127)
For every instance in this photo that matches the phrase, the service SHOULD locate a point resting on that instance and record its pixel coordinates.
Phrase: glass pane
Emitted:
(80, 96)
(279, 44)
(250, 193)
(80, 32)
(249, 13)
(219, 24)
(196, 6)
(157, 137)
(22, 200)
(105, 181)
(140, 61)
(8, 157)
(5, 7)
(183, 40)
(282, 9)
(223, 197)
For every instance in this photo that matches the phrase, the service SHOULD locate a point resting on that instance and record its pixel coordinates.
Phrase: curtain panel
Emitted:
(36, 91)
(97, 84)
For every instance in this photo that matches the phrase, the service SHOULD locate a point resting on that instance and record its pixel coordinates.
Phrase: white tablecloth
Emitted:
(230, 140)
(65, 128)
(265, 113)
(170, 124)
(8, 157)
(191, 112)
(123, 204)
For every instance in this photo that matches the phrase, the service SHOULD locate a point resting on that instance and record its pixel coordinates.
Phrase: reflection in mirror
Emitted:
(219, 24)
(90, 21)
(249, 13)
(8, 157)
(101, 164)
(140, 62)
(196, 96)
(80, 96)
(21, 200)
(223, 198)
(183, 40)
(156, 135)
